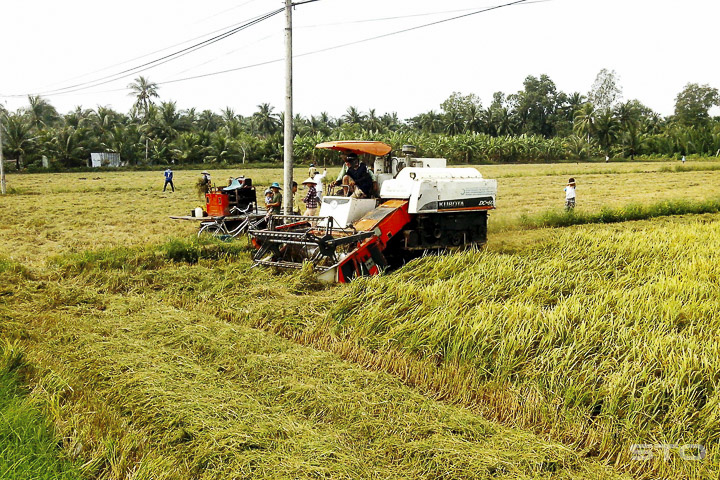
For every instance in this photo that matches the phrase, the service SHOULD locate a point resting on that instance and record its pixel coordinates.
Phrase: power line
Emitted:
(225, 11)
(156, 51)
(314, 52)
(528, 2)
(146, 66)
(335, 47)
(399, 17)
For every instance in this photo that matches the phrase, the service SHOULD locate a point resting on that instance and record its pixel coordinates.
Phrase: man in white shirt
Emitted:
(570, 195)
(318, 177)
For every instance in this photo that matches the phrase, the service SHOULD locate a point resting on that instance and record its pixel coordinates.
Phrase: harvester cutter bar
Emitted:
(295, 265)
(307, 238)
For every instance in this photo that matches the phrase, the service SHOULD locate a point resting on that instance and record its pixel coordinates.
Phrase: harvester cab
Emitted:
(422, 205)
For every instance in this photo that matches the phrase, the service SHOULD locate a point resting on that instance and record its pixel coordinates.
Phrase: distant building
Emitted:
(105, 160)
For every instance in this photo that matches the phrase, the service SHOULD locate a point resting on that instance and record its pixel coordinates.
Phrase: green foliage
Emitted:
(623, 214)
(28, 443)
(693, 103)
(517, 121)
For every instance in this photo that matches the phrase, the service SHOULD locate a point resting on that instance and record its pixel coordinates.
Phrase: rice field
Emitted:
(28, 447)
(549, 354)
(72, 212)
(604, 336)
(145, 375)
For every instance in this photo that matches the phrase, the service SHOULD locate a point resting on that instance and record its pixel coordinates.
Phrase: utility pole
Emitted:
(2, 161)
(288, 145)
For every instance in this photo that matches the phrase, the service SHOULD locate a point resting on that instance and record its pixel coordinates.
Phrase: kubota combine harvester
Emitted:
(422, 205)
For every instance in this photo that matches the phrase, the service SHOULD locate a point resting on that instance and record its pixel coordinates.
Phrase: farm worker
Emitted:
(570, 195)
(205, 180)
(356, 181)
(312, 170)
(683, 159)
(168, 179)
(343, 171)
(358, 176)
(293, 191)
(607, 159)
(276, 200)
(311, 200)
(318, 177)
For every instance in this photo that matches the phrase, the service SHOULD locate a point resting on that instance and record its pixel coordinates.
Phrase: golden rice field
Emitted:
(72, 212)
(546, 355)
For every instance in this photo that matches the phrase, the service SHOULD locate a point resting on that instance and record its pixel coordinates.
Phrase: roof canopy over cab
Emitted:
(357, 146)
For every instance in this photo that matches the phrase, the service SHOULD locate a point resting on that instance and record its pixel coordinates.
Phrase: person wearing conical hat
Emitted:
(311, 200)
(204, 181)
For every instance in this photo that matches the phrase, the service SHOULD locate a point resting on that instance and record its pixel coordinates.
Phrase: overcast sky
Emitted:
(655, 46)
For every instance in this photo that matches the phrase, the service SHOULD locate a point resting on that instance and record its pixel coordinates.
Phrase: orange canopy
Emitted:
(357, 146)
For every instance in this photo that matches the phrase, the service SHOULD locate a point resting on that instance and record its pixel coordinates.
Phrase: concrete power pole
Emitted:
(2, 161)
(288, 145)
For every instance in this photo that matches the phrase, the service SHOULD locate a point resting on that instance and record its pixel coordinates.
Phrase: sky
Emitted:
(655, 47)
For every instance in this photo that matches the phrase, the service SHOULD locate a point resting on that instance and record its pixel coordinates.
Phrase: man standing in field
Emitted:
(318, 177)
(570, 195)
(169, 179)
(275, 203)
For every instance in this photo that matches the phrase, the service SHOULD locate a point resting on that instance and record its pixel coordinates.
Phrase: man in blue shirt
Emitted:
(168, 179)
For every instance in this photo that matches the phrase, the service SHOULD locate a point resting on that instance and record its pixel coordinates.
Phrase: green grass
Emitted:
(557, 218)
(690, 168)
(28, 443)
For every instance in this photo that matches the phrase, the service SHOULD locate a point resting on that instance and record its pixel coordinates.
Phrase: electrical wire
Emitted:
(335, 47)
(277, 60)
(399, 17)
(225, 11)
(336, 24)
(157, 51)
(156, 62)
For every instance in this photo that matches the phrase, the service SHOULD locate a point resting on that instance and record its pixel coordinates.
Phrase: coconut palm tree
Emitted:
(265, 121)
(391, 122)
(584, 121)
(17, 139)
(327, 120)
(208, 121)
(430, 122)
(454, 122)
(41, 113)
(373, 122)
(145, 91)
(353, 116)
(607, 129)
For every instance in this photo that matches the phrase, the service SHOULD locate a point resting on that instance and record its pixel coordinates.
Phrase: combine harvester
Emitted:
(423, 205)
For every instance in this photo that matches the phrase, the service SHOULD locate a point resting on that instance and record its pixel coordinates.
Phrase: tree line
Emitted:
(537, 123)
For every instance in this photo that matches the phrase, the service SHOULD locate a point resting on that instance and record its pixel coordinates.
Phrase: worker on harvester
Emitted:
(355, 178)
